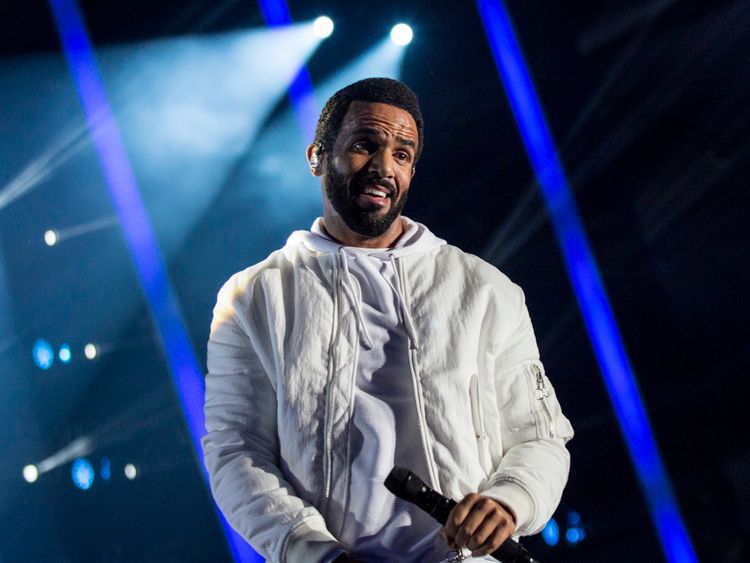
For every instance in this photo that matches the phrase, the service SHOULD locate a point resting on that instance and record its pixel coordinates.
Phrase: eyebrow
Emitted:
(372, 131)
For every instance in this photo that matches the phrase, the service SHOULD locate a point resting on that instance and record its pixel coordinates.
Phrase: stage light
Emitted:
(106, 469)
(43, 354)
(401, 34)
(573, 536)
(131, 471)
(323, 27)
(551, 533)
(588, 285)
(65, 354)
(574, 518)
(50, 237)
(90, 351)
(30, 473)
(82, 473)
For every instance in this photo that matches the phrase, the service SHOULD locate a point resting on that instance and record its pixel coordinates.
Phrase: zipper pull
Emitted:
(455, 556)
(542, 393)
(541, 389)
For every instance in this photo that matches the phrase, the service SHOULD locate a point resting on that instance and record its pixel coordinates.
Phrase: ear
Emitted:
(413, 171)
(315, 159)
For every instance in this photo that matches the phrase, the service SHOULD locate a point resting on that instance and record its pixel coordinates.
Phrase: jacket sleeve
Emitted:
(241, 449)
(534, 465)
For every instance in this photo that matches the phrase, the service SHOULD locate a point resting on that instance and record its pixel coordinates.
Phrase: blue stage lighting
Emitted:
(587, 284)
(573, 536)
(301, 94)
(136, 227)
(551, 533)
(401, 34)
(106, 469)
(82, 473)
(44, 355)
(574, 518)
(65, 354)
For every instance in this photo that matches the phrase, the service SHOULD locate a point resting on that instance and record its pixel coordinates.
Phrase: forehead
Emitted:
(385, 118)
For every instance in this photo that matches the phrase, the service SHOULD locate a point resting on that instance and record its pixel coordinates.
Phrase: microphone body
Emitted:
(407, 486)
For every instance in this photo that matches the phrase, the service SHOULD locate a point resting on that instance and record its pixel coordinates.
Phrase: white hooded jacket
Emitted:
(282, 358)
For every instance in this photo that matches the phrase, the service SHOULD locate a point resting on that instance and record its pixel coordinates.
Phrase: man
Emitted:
(369, 342)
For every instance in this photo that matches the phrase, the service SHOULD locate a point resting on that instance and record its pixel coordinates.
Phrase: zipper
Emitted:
(331, 376)
(542, 393)
(421, 423)
(476, 412)
(480, 431)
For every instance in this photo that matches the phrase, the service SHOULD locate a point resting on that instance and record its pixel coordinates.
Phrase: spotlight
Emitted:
(131, 471)
(43, 354)
(401, 34)
(323, 27)
(50, 237)
(90, 351)
(65, 354)
(82, 473)
(30, 473)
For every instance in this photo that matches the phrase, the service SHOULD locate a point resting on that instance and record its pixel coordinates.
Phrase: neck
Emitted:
(341, 233)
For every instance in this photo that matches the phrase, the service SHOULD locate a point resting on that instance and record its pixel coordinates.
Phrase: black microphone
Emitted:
(407, 486)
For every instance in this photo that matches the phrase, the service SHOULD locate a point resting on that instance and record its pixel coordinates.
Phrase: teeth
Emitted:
(375, 192)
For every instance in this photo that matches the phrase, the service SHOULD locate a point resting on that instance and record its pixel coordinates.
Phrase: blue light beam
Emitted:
(587, 285)
(152, 272)
(301, 95)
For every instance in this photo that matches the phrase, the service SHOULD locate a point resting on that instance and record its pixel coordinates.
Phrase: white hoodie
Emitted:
(282, 361)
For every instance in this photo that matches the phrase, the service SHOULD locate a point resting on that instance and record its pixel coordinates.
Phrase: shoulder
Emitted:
(242, 283)
(459, 263)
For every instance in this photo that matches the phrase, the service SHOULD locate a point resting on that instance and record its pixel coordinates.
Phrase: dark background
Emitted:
(647, 102)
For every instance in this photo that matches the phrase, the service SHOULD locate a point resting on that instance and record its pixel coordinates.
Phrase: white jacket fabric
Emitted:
(282, 357)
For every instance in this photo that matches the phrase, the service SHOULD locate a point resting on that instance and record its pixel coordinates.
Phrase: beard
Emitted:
(343, 197)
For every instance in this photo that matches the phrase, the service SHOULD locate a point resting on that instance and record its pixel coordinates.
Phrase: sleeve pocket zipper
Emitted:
(541, 394)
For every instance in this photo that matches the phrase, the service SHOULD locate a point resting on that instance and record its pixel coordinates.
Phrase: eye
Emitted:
(403, 156)
(362, 146)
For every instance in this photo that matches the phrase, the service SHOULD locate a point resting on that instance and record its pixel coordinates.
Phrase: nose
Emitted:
(382, 164)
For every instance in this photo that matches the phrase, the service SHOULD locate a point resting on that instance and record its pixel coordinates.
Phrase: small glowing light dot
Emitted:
(82, 473)
(90, 351)
(131, 471)
(573, 535)
(43, 354)
(574, 518)
(323, 27)
(50, 237)
(65, 354)
(30, 473)
(401, 34)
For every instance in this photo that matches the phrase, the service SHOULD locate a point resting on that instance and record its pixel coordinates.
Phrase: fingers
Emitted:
(479, 523)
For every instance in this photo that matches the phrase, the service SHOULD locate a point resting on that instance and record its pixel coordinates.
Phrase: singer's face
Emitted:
(369, 169)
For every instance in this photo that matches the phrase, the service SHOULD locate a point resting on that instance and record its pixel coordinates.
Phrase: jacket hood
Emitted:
(416, 239)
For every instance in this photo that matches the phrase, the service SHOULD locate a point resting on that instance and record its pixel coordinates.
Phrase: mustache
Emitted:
(377, 180)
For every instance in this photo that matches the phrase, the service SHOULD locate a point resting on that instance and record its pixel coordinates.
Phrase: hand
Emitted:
(479, 523)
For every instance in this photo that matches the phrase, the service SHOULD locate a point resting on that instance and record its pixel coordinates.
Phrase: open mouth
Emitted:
(374, 194)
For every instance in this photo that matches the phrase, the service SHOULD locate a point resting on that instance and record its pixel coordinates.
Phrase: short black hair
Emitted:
(379, 90)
